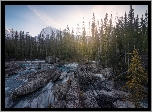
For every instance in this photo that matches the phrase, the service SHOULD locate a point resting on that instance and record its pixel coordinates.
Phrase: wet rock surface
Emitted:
(35, 81)
(12, 68)
(55, 88)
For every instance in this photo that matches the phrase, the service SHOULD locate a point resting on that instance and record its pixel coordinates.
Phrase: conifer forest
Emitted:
(106, 68)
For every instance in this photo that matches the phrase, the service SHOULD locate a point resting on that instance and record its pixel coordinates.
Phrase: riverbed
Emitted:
(12, 82)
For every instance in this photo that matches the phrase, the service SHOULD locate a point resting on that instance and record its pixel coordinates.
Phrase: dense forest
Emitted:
(122, 47)
(109, 45)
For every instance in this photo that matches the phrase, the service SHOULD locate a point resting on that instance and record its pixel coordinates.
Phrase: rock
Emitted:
(82, 67)
(60, 90)
(57, 60)
(51, 59)
(61, 63)
(12, 68)
(39, 65)
(89, 80)
(101, 76)
(123, 104)
(90, 100)
(95, 70)
(105, 101)
(63, 75)
(101, 98)
(55, 76)
(81, 89)
(42, 100)
(59, 104)
(107, 84)
(120, 94)
(107, 93)
(73, 95)
(70, 104)
(8, 102)
(107, 72)
(35, 81)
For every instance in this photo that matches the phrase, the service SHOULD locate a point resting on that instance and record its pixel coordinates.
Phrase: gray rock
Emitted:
(63, 75)
(107, 84)
(51, 59)
(60, 63)
(123, 104)
(55, 75)
(59, 104)
(107, 72)
(90, 100)
(60, 90)
(70, 104)
(12, 68)
(35, 81)
(43, 100)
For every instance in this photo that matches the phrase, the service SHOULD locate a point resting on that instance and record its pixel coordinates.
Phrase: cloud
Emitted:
(44, 17)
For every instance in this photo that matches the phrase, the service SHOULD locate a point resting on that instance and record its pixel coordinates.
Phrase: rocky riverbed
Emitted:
(72, 85)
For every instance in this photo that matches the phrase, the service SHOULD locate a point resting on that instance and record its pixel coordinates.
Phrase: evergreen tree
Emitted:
(136, 78)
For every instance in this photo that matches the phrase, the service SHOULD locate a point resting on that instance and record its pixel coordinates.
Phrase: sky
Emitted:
(33, 18)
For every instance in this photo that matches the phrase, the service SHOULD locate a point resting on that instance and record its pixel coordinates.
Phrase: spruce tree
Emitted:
(136, 78)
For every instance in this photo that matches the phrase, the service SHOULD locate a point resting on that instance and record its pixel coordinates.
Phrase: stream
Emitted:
(40, 98)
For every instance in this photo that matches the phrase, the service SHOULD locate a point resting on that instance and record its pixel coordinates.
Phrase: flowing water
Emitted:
(40, 98)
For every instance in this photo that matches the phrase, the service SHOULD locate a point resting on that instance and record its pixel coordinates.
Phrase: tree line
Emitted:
(107, 44)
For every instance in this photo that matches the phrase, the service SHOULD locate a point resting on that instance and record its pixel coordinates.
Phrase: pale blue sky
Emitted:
(34, 18)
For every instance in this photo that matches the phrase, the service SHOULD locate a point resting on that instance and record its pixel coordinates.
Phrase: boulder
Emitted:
(101, 76)
(57, 60)
(73, 95)
(107, 85)
(12, 68)
(102, 98)
(63, 75)
(59, 104)
(89, 80)
(40, 99)
(61, 63)
(35, 81)
(90, 100)
(60, 90)
(123, 104)
(107, 72)
(55, 75)
(39, 65)
(51, 59)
